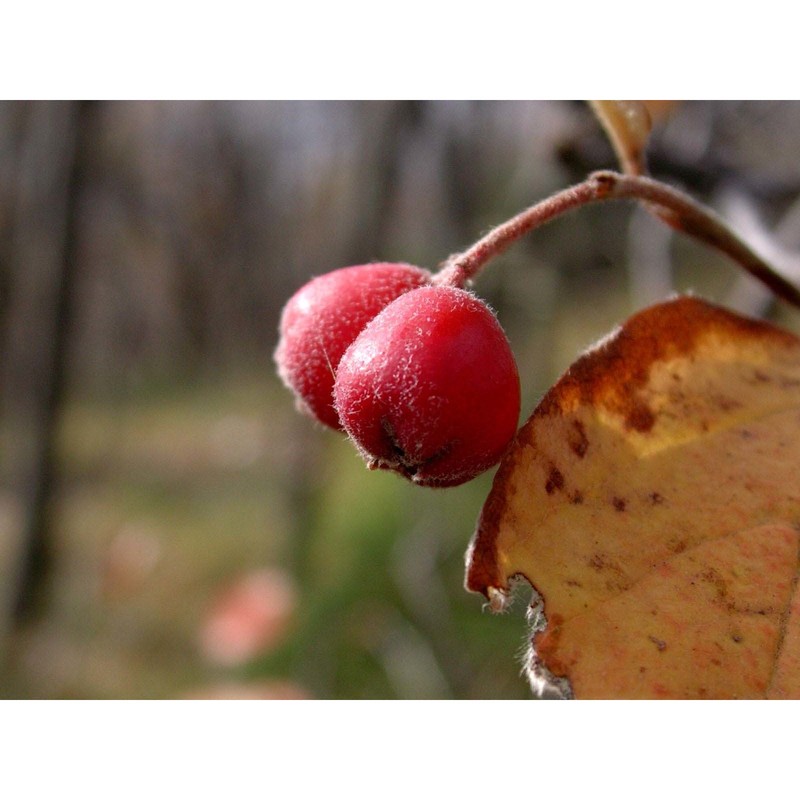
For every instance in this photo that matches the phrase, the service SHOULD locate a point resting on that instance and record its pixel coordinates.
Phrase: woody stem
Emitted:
(672, 206)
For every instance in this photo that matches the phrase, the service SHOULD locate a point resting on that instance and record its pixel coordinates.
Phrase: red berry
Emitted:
(321, 320)
(430, 388)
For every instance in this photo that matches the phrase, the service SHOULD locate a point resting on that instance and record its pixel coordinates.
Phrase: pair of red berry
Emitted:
(421, 376)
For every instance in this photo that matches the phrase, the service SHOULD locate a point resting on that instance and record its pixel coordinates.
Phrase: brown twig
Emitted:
(674, 207)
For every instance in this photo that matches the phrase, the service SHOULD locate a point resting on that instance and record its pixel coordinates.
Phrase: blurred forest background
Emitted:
(169, 526)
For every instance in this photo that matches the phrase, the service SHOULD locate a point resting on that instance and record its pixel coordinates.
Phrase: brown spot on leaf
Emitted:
(659, 643)
(555, 480)
(576, 498)
(602, 563)
(712, 577)
(655, 498)
(640, 418)
(620, 504)
(727, 403)
(677, 545)
(616, 579)
(578, 441)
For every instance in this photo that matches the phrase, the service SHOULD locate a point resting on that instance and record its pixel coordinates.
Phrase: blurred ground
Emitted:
(169, 499)
(202, 537)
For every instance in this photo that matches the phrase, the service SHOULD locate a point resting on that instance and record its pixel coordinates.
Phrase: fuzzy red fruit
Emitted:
(430, 388)
(321, 320)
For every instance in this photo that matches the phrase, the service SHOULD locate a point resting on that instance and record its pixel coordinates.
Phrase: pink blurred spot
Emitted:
(248, 618)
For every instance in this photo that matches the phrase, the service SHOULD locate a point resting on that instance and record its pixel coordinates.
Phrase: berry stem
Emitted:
(463, 267)
(670, 205)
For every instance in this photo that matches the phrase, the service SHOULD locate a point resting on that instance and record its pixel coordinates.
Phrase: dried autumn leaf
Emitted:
(627, 124)
(653, 502)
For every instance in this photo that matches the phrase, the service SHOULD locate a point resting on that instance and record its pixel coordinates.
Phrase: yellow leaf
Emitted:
(653, 502)
(627, 124)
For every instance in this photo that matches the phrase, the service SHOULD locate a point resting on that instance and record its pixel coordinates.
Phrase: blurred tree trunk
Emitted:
(463, 179)
(388, 129)
(35, 564)
(14, 119)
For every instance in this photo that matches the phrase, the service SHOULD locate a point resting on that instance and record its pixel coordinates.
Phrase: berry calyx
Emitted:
(321, 320)
(430, 388)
